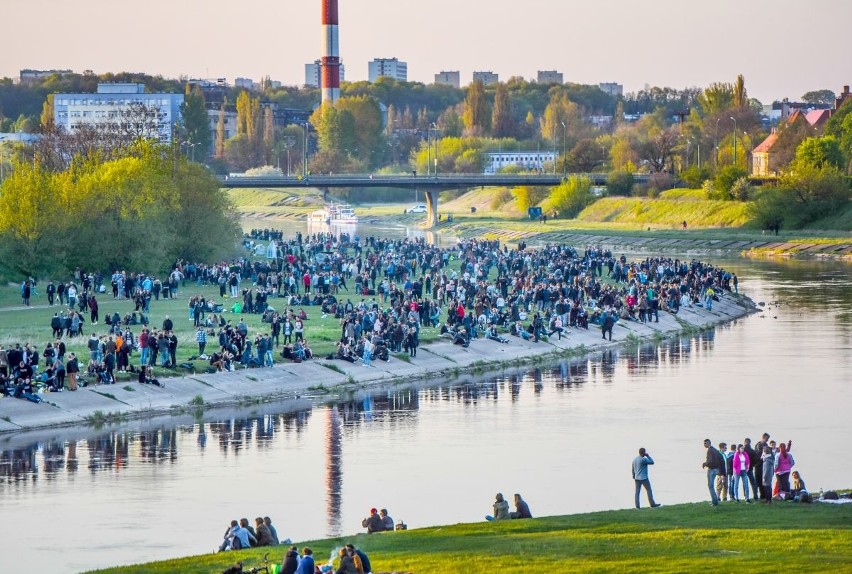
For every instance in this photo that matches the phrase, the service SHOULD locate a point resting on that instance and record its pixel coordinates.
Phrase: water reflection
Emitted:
(115, 451)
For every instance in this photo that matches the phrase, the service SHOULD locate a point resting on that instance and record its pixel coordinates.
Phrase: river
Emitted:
(562, 436)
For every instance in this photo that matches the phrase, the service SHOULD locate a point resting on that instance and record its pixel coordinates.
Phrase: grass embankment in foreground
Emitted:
(682, 538)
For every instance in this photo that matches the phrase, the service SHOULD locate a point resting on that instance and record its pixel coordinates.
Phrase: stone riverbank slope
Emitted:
(321, 380)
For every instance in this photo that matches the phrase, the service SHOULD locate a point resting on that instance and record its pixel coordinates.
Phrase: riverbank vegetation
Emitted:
(140, 208)
(681, 538)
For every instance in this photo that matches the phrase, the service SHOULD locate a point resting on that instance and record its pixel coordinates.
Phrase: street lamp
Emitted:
(305, 153)
(435, 126)
(564, 130)
(716, 141)
(735, 141)
(1, 159)
(428, 150)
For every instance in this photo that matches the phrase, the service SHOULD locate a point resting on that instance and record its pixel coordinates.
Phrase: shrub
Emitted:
(619, 182)
(571, 196)
(725, 180)
(695, 176)
(741, 190)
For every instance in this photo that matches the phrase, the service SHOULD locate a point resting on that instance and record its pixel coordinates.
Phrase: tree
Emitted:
(586, 156)
(476, 114)
(502, 122)
(220, 132)
(619, 182)
(824, 97)
(717, 97)
(819, 152)
(196, 124)
(657, 148)
(739, 98)
(560, 111)
(47, 114)
(570, 197)
(370, 142)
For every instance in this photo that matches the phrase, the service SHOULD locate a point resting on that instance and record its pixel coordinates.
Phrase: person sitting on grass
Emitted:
(501, 509)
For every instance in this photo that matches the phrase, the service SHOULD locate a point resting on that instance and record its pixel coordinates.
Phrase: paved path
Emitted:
(321, 380)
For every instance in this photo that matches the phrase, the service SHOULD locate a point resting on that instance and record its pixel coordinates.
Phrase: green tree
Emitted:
(587, 156)
(819, 153)
(725, 179)
(824, 97)
(196, 124)
(739, 98)
(502, 122)
(570, 197)
(47, 122)
(717, 97)
(619, 182)
(476, 113)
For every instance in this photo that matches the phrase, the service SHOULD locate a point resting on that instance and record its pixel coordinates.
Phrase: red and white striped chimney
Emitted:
(330, 53)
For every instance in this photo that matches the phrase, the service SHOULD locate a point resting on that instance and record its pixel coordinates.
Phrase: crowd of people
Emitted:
(478, 289)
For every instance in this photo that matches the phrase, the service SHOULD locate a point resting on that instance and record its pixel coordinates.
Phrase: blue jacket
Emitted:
(306, 565)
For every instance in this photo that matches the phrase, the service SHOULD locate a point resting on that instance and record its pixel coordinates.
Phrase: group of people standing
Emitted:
(752, 466)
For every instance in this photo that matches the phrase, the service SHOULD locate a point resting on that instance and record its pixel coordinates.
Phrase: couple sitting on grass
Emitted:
(501, 509)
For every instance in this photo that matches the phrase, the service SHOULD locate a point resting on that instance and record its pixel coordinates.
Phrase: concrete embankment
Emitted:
(320, 380)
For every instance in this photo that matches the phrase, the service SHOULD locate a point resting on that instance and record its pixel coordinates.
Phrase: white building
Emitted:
(487, 78)
(530, 160)
(244, 83)
(388, 68)
(611, 88)
(448, 79)
(313, 73)
(112, 102)
(549, 77)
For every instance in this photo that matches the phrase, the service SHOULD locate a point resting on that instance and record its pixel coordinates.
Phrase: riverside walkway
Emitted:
(321, 380)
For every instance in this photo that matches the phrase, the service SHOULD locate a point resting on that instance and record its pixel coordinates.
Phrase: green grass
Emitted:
(660, 211)
(682, 538)
(32, 325)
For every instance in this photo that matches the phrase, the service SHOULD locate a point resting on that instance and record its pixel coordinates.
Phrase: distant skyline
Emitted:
(783, 48)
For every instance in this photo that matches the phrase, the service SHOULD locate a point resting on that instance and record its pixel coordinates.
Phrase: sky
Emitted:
(784, 48)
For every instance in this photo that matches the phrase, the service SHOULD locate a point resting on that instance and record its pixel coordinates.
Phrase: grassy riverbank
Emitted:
(616, 216)
(682, 538)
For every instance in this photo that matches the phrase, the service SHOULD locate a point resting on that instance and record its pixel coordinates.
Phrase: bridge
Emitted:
(430, 184)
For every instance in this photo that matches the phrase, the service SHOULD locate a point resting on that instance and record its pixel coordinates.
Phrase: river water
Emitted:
(562, 436)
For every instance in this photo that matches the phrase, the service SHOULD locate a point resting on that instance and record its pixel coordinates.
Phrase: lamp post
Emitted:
(435, 126)
(564, 130)
(1, 160)
(428, 150)
(305, 153)
(735, 141)
(716, 142)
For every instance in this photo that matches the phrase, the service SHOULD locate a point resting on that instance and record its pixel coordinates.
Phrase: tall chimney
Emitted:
(330, 53)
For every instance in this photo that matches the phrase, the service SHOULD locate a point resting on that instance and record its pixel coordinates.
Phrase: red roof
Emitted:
(766, 145)
(817, 117)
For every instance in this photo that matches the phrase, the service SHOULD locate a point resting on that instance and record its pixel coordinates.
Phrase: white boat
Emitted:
(334, 215)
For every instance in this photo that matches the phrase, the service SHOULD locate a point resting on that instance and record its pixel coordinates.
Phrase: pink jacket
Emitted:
(741, 462)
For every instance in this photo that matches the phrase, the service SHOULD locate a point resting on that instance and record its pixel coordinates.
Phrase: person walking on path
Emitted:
(640, 477)
(714, 463)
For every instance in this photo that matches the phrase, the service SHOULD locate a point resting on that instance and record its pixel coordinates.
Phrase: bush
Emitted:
(501, 197)
(619, 183)
(571, 196)
(741, 190)
(725, 180)
(695, 177)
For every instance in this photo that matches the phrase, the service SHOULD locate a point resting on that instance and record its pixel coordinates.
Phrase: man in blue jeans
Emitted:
(714, 463)
(640, 476)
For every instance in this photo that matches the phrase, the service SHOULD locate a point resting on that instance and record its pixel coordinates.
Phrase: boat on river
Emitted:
(334, 214)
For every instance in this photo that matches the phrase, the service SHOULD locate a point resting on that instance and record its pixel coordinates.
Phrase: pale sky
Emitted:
(783, 47)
